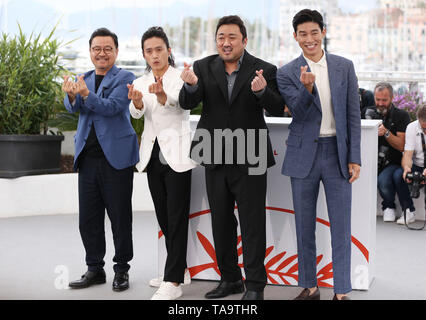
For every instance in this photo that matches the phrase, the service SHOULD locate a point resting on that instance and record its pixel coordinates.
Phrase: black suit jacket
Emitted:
(243, 111)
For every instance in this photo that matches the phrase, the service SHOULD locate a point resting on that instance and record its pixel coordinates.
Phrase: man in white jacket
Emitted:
(164, 153)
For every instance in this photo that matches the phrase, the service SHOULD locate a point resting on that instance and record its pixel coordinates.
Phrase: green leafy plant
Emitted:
(30, 91)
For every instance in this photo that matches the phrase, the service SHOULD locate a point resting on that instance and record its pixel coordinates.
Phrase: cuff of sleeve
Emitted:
(191, 89)
(260, 93)
(170, 102)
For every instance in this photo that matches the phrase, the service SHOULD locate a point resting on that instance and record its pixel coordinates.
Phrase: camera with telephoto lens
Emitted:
(415, 184)
(373, 114)
(382, 157)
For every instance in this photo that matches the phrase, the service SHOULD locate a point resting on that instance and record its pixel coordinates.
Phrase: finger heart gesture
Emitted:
(157, 87)
(135, 96)
(307, 78)
(188, 75)
(259, 82)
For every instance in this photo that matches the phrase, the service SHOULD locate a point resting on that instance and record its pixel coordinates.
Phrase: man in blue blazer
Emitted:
(106, 149)
(321, 91)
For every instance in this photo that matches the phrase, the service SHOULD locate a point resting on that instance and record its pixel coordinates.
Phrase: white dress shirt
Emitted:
(167, 123)
(322, 82)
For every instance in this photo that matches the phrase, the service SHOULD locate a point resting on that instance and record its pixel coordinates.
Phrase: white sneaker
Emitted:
(389, 215)
(156, 282)
(410, 216)
(167, 291)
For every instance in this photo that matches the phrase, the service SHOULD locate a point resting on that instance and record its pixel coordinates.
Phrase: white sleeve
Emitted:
(136, 113)
(173, 91)
(410, 137)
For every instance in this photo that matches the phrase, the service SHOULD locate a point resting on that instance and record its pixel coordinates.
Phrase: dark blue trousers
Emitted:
(338, 193)
(390, 182)
(102, 187)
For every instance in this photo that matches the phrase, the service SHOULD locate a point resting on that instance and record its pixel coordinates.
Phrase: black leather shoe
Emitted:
(252, 295)
(305, 295)
(225, 289)
(88, 279)
(121, 281)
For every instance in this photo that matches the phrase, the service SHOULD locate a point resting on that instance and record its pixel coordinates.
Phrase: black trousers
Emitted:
(227, 184)
(100, 187)
(171, 194)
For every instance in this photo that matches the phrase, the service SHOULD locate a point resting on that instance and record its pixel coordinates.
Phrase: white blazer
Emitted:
(168, 123)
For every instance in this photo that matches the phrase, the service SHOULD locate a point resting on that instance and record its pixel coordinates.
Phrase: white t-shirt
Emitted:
(413, 142)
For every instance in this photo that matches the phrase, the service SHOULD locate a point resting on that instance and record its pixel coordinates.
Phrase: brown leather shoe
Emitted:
(343, 298)
(304, 295)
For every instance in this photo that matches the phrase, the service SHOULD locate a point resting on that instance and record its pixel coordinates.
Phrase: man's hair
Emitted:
(104, 32)
(421, 113)
(307, 15)
(157, 32)
(232, 20)
(384, 85)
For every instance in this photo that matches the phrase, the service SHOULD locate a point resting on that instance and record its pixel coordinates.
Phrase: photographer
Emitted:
(414, 159)
(391, 144)
(366, 99)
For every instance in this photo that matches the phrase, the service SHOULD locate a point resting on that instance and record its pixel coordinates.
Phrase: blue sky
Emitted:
(132, 17)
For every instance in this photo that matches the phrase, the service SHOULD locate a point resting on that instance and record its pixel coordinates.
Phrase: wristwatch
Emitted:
(387, 134)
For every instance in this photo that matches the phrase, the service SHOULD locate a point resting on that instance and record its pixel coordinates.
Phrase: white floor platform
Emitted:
(39, 254)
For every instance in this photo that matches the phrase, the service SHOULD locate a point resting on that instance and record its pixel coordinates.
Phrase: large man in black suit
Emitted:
(234, 88)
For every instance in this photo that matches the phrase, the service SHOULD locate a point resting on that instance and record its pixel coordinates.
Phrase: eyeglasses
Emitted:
(106, 50)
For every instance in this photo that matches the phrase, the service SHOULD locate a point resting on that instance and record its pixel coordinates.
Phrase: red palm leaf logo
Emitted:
(281, 268)
(208, 247)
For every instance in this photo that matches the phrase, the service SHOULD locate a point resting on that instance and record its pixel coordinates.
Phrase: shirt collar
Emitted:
(322, 62)
(240, 61)
(419, 129)
(165, 75)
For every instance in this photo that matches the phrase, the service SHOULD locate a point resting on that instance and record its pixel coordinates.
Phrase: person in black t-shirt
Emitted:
(366, 99)
(391, 145)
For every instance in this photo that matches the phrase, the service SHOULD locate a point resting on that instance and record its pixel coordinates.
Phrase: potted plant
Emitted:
(30, 93)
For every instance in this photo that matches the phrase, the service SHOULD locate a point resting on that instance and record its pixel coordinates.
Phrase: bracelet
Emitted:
(387, 134)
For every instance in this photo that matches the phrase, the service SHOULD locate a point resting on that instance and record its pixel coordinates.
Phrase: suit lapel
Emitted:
(106, 80)
(335, 73)
(246, 71)
(218, 70)
(90, 81)
(301, 62)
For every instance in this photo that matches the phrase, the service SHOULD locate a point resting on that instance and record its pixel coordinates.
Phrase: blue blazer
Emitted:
(305, 108)
(108, 110)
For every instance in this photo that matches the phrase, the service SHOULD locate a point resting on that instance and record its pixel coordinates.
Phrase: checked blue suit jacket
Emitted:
(108, 110)
(305, 108)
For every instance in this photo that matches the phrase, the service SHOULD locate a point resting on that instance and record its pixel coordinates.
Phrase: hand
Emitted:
(157, 89)
(135, 96)
(259, 82)
(307, 78)
(354, 170)
(382, 130)
(81, 87)
(69, 88)
(188, 75)
(404, 174)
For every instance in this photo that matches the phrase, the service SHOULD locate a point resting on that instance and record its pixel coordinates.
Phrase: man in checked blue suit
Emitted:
(321, 91)
(106, 149)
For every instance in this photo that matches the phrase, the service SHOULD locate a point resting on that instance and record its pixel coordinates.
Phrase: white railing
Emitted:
(392, 76)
